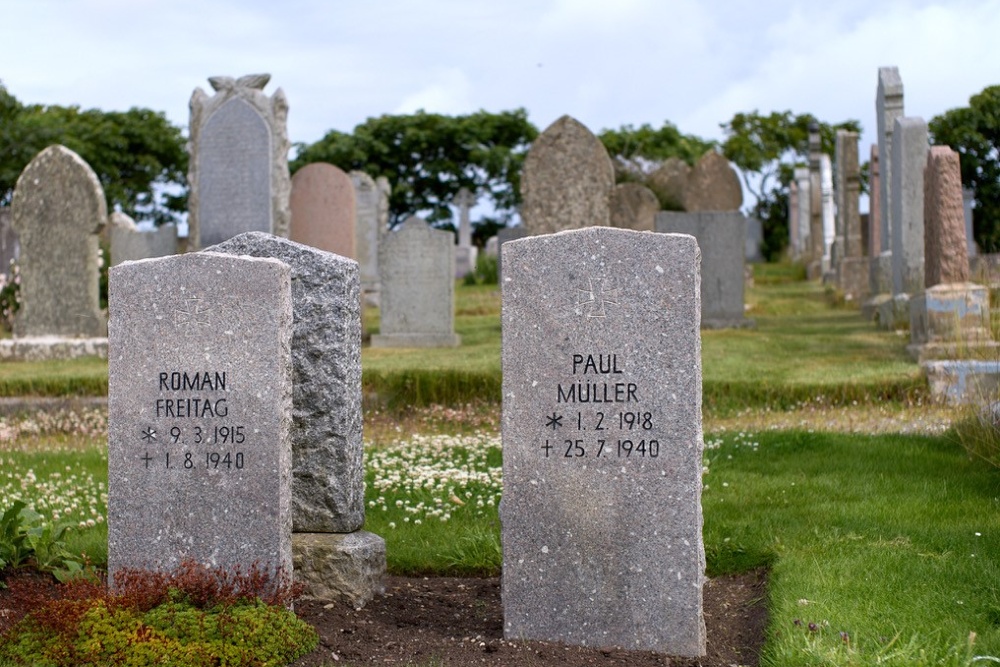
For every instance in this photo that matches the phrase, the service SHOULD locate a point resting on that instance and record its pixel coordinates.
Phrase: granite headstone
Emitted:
(418, 287)
(323, 209)
(633, 206)
(238, 171)
(601, 516)
(712, 185)
(199, 412)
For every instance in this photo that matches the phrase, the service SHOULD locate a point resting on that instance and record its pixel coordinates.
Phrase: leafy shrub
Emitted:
(485, 272)
(10, 296)
(192, 616)
(25, 536)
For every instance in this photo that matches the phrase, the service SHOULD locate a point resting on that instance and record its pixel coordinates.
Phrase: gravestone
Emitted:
(327, 468)
(465, 253)
(566, 180)
(58, 209)
(368, 232)
(852, 266)
(668, 182)
(952, 315)
(238, 171)
(712, 185)
(874, 204)
(601, 516)
(826, 195)
(801, 175)
(721, 238)
(129, 243)
(794, 241)
(418, 287)
(754, 240)
(814, 265)
(503, 235)
(889, 108)
(968, 203)
(199, 410)
(909, 158)
(633, 206)
(9, 247)
(323, 209)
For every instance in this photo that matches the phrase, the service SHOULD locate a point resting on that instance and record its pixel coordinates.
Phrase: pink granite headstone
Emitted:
(946, 258)
(323, 209)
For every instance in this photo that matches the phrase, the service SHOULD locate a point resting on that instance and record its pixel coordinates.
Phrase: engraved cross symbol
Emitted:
(596, 300)
(194, 313)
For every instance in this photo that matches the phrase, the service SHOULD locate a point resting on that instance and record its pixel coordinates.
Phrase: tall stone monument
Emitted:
(58, 209)
(566, 180)
(323, 209)
(802, 181)
(951, 317)
(601, 516)
(909, 160)
(238, 171)
(418, 287)
(852, 264)
(465, 253)
(814, 267)
(199, 412)
(827, 208)
(368, 232)
(794, 240)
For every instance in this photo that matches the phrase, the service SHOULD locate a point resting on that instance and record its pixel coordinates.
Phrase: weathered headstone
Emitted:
(238, 172)
(418, 287)
(802, 179)
(909, 158)
(721, 237)
(57, 210)
(712, 185)
(794, 241)
(566, 180)
(852, 264)
(601, 516)
(503, 235)
(814, 266)
(888, 107)
(968, 203)
(952, 315)
(754, 240)
(129, 243)
(874, 204)
(826, 196)
(199, 410)
(668, 182)
(333, 557)
(9, 247)
(368, 232)
(465, 253)
(323, 209)
(633, 206)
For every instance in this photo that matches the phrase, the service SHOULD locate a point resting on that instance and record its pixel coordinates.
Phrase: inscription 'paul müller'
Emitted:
(586, 391)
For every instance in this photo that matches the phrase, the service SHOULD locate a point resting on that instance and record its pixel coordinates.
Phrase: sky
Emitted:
(608, 63)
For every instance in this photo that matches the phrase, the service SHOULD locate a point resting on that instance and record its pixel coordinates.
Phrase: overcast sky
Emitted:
(606, 62)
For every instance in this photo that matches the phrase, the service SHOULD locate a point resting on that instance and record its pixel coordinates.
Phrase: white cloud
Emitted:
(447, 94)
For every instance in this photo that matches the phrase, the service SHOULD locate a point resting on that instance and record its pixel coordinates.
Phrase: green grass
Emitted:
(87, 376)
(893, 540)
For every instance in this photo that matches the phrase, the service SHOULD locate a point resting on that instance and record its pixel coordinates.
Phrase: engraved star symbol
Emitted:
(555, 421)
(596, 299)
(149, 434)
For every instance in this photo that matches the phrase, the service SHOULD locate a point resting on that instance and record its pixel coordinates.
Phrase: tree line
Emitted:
(141, 159)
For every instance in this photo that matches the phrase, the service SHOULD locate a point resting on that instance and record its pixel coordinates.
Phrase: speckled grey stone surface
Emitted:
(328, 486)
(602, 440)
(417, 264)
(238, 167)
(721, 236)
(57, 210)
(349, 567)
(199, 412)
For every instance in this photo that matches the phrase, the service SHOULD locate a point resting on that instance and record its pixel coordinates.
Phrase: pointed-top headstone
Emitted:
(238, 172)
(567, 179)
(58, 210)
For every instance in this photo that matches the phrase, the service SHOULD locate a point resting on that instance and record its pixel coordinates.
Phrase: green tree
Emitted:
(428, 157)
(974, 132)
(766, 150)
(639, 151)
(138, 155)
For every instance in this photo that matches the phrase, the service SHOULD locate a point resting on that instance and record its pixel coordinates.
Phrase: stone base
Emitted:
(880, 274)
(854, 278)
(869, 309)
(339, 566)
(416, 340)
(894, 313)
(963, 382)
(728, 323)
(951, 322)
(48, 348)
